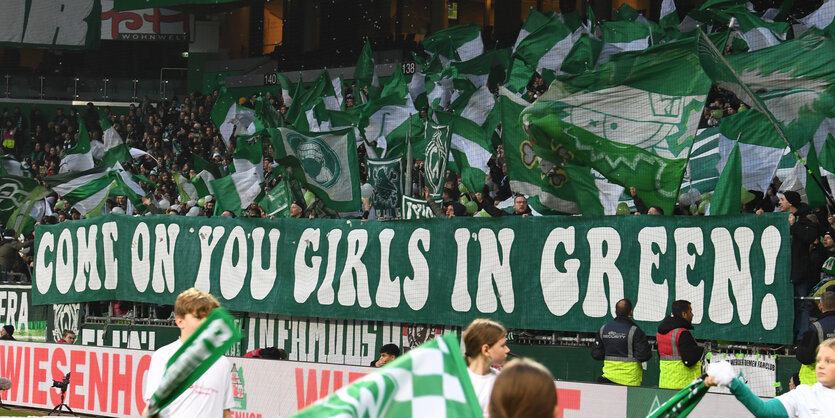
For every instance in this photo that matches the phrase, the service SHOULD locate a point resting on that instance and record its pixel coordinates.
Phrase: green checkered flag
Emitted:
(431, 380)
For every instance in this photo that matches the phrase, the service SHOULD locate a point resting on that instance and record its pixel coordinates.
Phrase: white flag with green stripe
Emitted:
(195, 188)
(115, 150)
(86, 190)
(545, 48)
(80, 156)
(455, 44)
(470, 150)
(236, 191)
(248, 154)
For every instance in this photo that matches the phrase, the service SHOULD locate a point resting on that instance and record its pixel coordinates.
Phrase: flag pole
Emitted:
(760, 106)
(409, 161)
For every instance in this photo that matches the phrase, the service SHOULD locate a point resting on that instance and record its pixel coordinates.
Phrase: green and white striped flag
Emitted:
(455, 44)
(386, 119)
(727, 198)
(85, 191)
(477, 70)
(428, 381)
(623, 36)
(545, 48)
(80, 156)
(230, 117)
(534, 20)
(286, 89)
(197, 354)
(19, 196)
(325, 162)
(702, 173)
(10, 166)
(633, 121)
(195, 188)
(115, 150)
(823, 18)
(236, 191)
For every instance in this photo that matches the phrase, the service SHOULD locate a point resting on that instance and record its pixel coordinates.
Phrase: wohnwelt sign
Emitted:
(552, 273)
(152, 24)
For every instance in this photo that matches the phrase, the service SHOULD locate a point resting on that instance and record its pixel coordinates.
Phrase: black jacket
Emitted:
(803, 234)
(808, 346)
(689, 351)
(612, 340)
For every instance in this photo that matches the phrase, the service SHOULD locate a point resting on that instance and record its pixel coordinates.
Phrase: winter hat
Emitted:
(9, 329)
(793, 198)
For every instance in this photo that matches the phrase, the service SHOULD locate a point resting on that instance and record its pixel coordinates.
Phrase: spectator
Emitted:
(7, 333)
(524, 389)
(803, 235)
(822, 329)
(622, 346)
(679, 352)
(485, 345)
(67, 337)
(388, 353)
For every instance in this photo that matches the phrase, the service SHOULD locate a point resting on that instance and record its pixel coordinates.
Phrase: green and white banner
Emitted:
(414, 208)
(50, 24)
(386, 177)
(566, 273)
(16, 310)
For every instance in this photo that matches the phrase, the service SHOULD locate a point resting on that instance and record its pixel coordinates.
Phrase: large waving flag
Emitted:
(544, 49)
(456, 43)
(326, 162)
(633, 121)
(387, 120)
(80, 156)
(623, 36)
(115, 150)
(231, 117)
(87, 190)
(19, 198)
(248, 154)
(236, 191)
(534, 176)
(430, 380)
(366, 74)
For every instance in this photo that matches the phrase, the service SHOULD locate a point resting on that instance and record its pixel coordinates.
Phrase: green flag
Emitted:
(277, 201)
(79, 157)
(386, 177)
(547, 180)
(366, 74)
(210, 340)
(114, 148)
(327, 164)
(814, 191)
(430, 380)
(727, 198)
(438, 138)
(683, 402)
(231, 117)
(455, 43)
(823, 18)
(545, 49)
(236, 191)
(623, 36)
(633, 120)
(18, 197)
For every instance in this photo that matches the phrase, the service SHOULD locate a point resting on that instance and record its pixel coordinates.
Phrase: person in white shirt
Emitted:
(804, 402)
(210, 395)
(485, 345)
